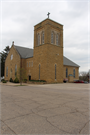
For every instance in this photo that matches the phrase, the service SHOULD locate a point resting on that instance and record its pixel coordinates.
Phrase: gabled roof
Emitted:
(68, 62)
(28, 53)
(50, 20)
(24, 52)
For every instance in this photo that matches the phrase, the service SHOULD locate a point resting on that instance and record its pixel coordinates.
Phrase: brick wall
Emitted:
(47, 55)
(11, 63)
(29, 68)
(70, 71)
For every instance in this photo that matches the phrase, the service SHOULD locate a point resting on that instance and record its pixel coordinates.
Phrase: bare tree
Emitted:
(22, 75)
(84, 76)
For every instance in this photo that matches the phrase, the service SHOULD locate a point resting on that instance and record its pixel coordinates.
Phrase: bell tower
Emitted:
(48, 51)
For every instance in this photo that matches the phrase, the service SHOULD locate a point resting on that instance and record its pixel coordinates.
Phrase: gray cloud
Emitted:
(19, 18)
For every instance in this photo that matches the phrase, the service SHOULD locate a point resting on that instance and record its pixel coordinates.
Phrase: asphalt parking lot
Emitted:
(45, 109)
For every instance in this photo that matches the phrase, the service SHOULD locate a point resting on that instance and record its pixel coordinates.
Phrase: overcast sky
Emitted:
(18, 18)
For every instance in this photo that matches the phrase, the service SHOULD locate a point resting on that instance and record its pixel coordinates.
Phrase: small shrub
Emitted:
(25, 80)
(16, 80)
(42, 81)
(4, 81)
(11, 80)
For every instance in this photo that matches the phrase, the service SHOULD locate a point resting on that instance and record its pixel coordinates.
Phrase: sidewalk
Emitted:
(14, 84)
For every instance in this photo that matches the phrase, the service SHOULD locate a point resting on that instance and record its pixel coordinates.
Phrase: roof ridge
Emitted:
(23, 47)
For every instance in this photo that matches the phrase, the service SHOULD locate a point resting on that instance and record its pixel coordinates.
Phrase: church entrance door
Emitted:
(29, 77)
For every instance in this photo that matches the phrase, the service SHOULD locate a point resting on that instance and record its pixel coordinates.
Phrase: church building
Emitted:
(45, 61)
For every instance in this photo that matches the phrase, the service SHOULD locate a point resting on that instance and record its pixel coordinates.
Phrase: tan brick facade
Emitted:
(70, 71)
(11, 63)
(48, 54)
(47, 61)
(29, 68)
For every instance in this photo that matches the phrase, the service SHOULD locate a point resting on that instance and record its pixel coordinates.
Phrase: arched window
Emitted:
(15, 70)
(66, 72)
(57, 39)
(38, 39)
(52, 38)
(11, 57)
(39, 71)
(7, 71)
(42, 37)
(74, 73)
(55, 71)
(32, 63)
(11, 73)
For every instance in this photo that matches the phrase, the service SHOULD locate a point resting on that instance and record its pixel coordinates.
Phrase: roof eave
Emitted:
(71, 65)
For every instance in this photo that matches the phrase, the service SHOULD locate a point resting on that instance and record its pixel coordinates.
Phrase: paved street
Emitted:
(45, 109)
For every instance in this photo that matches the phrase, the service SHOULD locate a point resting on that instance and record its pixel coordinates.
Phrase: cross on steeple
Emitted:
(48, 14)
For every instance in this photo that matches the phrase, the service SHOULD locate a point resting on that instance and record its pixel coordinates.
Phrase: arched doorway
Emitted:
(29, 77)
